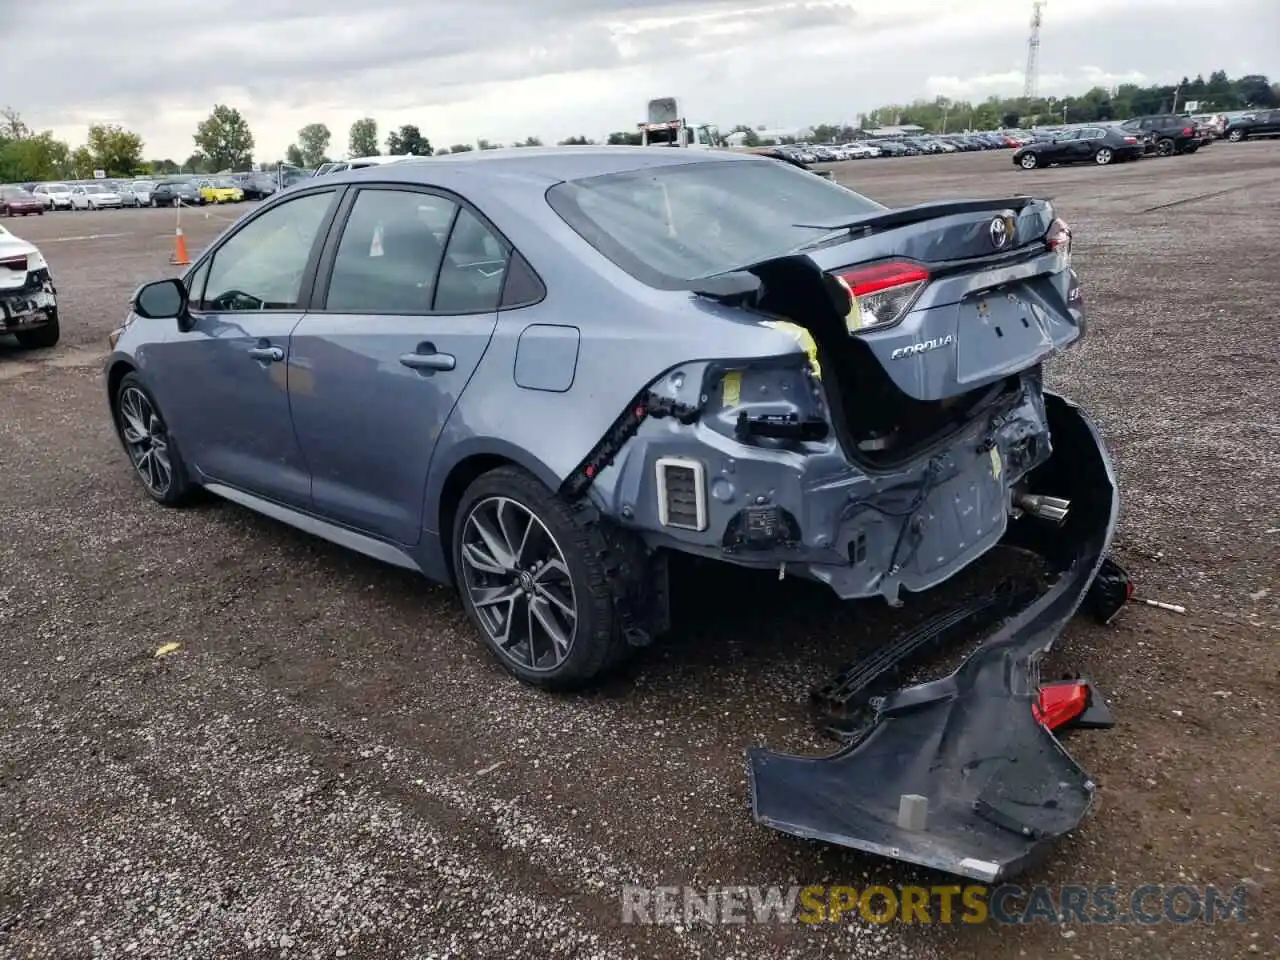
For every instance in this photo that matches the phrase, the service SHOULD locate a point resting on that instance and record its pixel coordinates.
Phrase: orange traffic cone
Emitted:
(179, 258)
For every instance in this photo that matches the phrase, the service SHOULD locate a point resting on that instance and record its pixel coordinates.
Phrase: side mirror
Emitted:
(162, 300)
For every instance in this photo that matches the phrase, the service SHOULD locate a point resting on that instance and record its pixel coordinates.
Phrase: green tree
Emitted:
(620, 138)
(461, 148)
(82, 163)
(576, 142)
(749, 137)
(528, 142)
(114, 149)
(196, 163)
(408, 140)
(224, 137)
(162, 168)
(33, 157)
(11, 125)
(487, 145)
(363, 139)
(293, 156)
(313, 141)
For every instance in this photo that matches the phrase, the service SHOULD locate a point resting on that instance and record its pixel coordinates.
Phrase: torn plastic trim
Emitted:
(998, 788)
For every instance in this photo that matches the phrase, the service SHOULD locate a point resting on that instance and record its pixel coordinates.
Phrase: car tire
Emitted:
(550, 557)
(1235, 136)
(41, 338)
(141, 428)
(1029, 161)
(1104, 156)
(1165, 147)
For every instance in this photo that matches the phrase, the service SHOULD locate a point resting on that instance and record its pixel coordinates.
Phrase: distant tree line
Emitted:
(223, 141)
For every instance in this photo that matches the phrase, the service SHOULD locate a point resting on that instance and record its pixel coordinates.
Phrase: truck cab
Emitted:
(679, 133)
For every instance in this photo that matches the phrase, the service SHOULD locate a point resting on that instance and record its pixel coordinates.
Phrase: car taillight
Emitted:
(881, 294)
(15, 263)
(1059, 237)
(1187, 131)
(1130, 139)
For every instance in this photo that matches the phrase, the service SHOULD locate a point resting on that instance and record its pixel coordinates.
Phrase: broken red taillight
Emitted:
(15, 263)
(1061, 703)
(881, 294)
(1130, 140)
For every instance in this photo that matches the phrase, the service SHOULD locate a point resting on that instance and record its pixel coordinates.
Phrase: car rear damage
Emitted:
(907, 435)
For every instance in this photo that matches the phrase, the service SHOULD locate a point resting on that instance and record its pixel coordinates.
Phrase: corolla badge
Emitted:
(1001, 231)
(922, 347)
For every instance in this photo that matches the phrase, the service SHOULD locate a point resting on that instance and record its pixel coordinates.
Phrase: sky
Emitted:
(508, 69)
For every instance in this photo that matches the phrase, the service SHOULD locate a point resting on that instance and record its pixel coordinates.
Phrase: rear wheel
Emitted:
(1235, 136)
(1165, 147)
(1029, 161)
(1103, 156)
(41, 337)
(535, 579)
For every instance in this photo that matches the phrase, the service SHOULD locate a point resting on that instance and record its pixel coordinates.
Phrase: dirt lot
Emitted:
(331, 765)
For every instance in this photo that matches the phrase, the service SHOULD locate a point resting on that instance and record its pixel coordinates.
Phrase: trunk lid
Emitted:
(951, 297)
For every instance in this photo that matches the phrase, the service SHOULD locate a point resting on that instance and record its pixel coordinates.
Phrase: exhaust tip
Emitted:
(1052, 509)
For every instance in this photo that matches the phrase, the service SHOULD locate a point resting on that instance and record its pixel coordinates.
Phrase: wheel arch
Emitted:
(117, 370)
(467, 462)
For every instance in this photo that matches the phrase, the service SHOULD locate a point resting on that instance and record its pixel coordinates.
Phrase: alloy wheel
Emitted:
(1103, 156)
(1029, 161)
(516, 577)
(1165, 148)
(146, 440)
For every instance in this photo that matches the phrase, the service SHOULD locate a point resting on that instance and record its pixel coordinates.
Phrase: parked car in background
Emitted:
(170, 193)
(1212, 124)
(59, 195)
(142, 190)
(127, 196)
(1169, 134)
(356, 163)
(220, 190)
(257, 186)
(92, 196)
(28, 301)
(1099, 145)
(19, 202)
(1262, 123)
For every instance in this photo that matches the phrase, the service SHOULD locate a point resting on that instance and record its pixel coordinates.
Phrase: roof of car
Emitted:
(551, 164)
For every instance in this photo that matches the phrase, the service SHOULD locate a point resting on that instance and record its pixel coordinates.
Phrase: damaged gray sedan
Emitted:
(536, 373)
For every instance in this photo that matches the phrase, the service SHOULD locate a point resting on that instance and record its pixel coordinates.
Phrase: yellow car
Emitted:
(220, 191)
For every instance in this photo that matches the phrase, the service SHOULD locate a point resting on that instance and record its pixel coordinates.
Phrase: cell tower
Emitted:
(1032, 78)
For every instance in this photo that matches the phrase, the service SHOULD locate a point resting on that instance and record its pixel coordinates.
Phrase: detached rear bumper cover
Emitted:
(1000, 787)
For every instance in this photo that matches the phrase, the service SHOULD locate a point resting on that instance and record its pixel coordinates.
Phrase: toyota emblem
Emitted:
(999, 233)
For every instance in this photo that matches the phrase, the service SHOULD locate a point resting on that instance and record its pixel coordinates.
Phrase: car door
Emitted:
(405, 311)
(224, 379)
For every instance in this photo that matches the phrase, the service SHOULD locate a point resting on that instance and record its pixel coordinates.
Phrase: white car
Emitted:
(90, 196)
(142, 190)
(862, 151)
(28, 301)
(357, 163)
(55, 196)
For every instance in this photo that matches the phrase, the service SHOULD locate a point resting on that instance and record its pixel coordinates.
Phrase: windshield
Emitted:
(57, 188)
(94, 188)
(224, 182)
(13, 193)
(142, 185)
(668, 225)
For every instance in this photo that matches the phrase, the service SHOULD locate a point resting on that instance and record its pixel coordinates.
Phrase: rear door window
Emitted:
(388, 259)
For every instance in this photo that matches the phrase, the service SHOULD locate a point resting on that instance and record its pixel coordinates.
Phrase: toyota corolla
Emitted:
(535, 374)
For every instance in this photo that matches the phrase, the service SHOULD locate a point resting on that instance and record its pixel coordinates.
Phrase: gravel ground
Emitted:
(331, 766)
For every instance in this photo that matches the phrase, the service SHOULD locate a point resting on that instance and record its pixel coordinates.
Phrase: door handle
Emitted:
(272, 354)
(426, 358)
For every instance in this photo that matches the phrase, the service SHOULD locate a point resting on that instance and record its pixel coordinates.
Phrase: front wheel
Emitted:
(1235, 136)
(1103, 157)
(1166, 147)
(146, 440)
(534, 579)
(1029, 161)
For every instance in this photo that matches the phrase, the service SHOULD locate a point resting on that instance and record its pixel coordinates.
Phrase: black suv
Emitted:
(1167, 134)
(1263, 123)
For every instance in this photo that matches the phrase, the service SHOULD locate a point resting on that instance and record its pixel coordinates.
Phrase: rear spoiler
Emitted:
(904, 216)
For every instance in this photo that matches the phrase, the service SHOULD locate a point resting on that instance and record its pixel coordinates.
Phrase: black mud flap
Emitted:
(957, 774)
